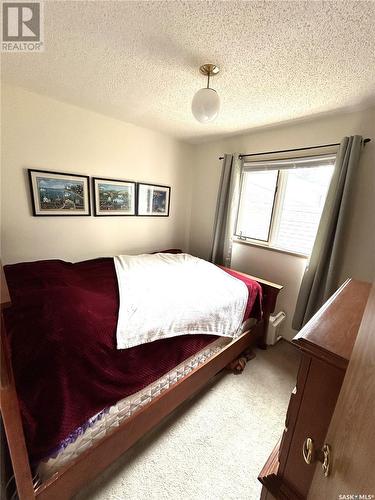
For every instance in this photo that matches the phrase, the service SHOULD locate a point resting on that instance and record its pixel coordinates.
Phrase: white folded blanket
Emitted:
(167, 295)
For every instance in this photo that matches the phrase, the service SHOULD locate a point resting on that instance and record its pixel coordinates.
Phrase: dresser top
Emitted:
(331, 333)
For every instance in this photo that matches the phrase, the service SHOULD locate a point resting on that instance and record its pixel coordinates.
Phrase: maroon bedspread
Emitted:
(61, 329)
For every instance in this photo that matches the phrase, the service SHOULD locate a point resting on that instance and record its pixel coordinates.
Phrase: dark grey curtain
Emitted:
(321, 276)
(226, 209)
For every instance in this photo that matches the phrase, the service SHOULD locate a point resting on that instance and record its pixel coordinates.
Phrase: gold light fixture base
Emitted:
(209, 69)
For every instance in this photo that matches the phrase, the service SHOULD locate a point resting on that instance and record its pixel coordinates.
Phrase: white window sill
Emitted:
(253, 243)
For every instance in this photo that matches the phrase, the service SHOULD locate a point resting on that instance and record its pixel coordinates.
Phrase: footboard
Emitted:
(270, 292)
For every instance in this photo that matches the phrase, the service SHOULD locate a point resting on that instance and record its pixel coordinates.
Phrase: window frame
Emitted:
(272, 211)
(280, 191)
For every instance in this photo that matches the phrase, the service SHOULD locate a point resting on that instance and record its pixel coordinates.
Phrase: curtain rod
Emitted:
(295, 149)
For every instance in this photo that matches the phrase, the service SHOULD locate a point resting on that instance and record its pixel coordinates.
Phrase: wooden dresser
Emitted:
(326, 343)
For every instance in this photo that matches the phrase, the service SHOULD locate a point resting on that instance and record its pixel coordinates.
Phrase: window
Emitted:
(281, 202)
(256, 205)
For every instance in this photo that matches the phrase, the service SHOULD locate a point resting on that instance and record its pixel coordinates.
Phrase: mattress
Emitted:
(104, 422)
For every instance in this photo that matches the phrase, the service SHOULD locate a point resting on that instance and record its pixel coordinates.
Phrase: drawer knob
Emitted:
(326, 464)
(310, 455)
(308, 451)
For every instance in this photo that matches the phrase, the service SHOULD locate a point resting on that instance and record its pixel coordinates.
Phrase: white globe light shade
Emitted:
(205, 105)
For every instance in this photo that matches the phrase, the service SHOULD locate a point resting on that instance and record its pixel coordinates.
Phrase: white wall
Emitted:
(358, 255)
(42, 133)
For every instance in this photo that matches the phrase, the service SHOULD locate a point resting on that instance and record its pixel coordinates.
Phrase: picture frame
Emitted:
(114, 197)
(59, 194)
(153, 200)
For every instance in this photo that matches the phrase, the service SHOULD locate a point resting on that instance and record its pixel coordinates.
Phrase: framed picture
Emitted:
(56, 193)
(153, 200)
(114, 197)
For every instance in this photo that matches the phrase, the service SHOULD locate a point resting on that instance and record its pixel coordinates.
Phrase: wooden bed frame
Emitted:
(69, 479)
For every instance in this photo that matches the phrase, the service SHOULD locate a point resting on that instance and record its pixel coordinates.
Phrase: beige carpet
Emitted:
(214, 446)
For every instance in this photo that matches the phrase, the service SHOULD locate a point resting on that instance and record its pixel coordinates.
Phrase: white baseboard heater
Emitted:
(274, 328)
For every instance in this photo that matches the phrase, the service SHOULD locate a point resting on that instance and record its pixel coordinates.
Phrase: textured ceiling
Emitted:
(138, 61)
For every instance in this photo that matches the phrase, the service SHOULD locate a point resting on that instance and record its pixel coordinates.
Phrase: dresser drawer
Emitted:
(318, 400)
(293, 409)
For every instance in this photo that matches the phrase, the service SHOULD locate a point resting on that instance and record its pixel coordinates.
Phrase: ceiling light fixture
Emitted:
(206, 102)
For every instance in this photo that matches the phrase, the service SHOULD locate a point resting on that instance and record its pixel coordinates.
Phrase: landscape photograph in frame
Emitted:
(153, 200)
(58, 193)
(114, 197)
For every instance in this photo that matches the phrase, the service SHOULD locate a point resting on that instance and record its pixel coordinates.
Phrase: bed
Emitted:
(93, 402)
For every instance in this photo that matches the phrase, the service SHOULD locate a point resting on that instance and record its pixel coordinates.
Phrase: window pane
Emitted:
(258, 192)
(302, 205)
